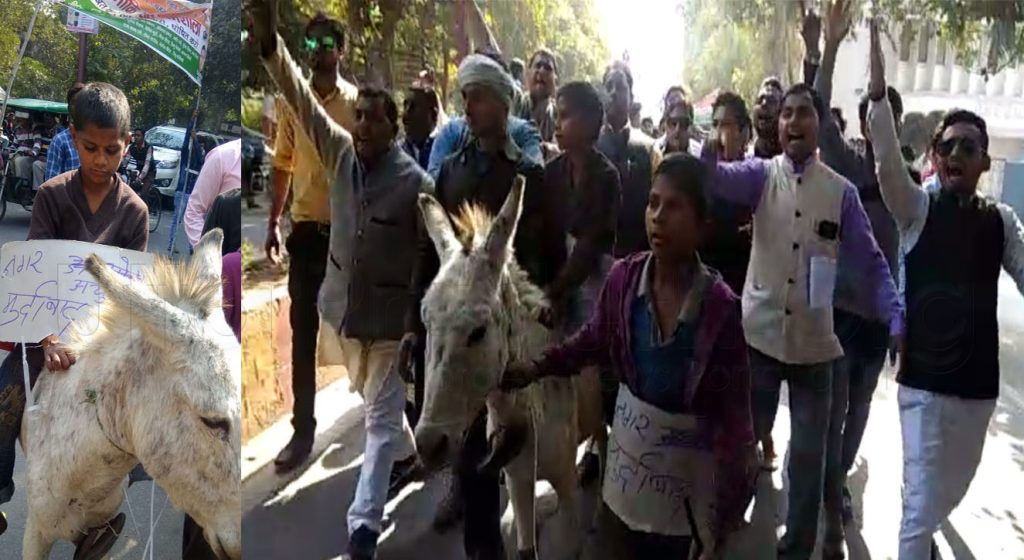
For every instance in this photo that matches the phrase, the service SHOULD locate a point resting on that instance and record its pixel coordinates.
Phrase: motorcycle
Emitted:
(13, 188)
(154, 203)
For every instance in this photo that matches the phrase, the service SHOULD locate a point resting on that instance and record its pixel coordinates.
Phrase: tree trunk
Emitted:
(778, 60)
(392, 11)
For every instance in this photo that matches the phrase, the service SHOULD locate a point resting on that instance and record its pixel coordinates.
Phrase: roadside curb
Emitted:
(337, 410)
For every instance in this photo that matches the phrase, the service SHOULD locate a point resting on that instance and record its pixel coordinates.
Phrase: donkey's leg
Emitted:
(567, 487)
(521, 478)
(34, 545)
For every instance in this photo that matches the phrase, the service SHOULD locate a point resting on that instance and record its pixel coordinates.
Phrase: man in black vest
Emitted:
(955, 243)
(482, 172)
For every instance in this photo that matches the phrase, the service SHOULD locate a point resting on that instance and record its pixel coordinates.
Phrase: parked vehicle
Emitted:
(19, 189)
(167, 141)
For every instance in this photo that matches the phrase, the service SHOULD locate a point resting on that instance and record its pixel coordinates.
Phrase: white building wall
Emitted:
(932, 86)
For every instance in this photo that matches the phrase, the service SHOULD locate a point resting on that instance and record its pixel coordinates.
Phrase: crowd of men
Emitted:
(816, 254)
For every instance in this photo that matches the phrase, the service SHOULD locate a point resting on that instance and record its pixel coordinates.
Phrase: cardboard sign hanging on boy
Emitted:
(45, 288)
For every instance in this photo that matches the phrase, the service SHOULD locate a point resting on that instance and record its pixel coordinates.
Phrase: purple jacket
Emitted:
(717, 388)
(232, 277)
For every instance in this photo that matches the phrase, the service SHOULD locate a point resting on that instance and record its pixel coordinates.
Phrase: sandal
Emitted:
(99, 540)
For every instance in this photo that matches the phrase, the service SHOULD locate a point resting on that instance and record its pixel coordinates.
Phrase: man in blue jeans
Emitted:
(189, 167)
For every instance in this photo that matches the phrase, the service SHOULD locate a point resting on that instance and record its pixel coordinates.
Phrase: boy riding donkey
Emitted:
(90, 204)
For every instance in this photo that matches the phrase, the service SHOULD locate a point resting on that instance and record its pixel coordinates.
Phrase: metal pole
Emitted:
(83, 47)
(17, 62)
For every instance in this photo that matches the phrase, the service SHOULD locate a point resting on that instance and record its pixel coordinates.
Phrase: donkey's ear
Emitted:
(206, 257)
(439, 227)
(503, 230)
(138, 302)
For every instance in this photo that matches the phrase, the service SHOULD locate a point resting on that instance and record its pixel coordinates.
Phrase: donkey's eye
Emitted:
(222, 425)
(476, 336)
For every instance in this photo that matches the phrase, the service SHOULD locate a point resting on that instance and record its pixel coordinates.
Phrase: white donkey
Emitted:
(158, 382)
(481, 315)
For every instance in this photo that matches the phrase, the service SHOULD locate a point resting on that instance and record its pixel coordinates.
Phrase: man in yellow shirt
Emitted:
(296, 163)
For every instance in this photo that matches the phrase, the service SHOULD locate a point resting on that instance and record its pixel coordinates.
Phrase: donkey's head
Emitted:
(178, 389)
(467, 319)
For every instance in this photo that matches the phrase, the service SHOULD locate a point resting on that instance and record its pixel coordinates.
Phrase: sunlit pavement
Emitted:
(307, 519)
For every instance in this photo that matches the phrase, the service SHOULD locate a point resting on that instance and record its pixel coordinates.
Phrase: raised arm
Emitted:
(1013, 248)
(330, 139)
(740, 182)
(836, 152)
(906, 201)
(859, 245)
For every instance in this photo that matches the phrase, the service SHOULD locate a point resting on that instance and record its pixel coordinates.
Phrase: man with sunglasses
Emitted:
(677, 122)
(955, 242)
(297, 167)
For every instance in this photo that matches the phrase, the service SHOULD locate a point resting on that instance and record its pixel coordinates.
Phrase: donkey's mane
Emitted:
(472, 223)
(177, 283)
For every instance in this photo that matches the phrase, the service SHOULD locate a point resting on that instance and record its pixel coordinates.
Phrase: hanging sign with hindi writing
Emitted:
(178, 30)
(45, 288)
(657, 463)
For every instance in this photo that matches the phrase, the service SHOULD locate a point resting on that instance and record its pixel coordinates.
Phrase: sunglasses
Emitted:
(678, 121)
(968, 146)
(323, 43)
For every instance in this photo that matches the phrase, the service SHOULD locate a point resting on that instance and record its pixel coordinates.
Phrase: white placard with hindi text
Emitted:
(45, 288)
(656, 463)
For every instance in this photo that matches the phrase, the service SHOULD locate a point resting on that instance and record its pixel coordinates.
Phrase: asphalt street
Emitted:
(306, 519)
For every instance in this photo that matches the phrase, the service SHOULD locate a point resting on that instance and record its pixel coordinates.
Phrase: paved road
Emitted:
(307, 518)
(167, 534)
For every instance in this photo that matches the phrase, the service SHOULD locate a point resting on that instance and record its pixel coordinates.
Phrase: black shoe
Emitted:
(847, 505)
(402, 473)
(293, 454)
(504, 445)
(95, 544)
(450, 512)
(362, 544)
(589, 469)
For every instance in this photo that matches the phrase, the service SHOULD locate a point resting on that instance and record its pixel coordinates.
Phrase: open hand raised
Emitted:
(264, 25)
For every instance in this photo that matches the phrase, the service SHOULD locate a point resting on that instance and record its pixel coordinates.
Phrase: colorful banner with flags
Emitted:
(177, 30)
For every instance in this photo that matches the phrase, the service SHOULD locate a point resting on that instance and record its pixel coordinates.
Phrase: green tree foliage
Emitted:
(156, 89)
(390, 39)
(570, 28)
(734, 44)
